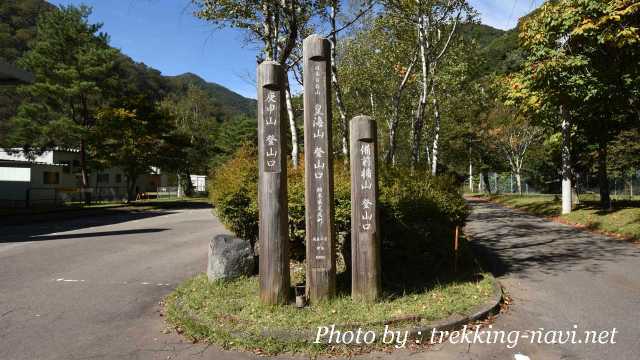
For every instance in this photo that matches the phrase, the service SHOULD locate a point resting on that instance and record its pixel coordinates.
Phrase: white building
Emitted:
(55, 176)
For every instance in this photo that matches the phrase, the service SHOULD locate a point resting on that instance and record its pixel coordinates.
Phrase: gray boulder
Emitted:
(229, 258)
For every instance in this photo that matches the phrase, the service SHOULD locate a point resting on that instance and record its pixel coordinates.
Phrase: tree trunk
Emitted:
(373, 105)
(575, 199)
(427, 154)
(84, 178)
(519, 182)
(268, 32)
(566, 163)
(390, 156)
(131, 183)
(344, 123)
(292, 127)
(487, 184)
(188, 185)
(416, 128)
(603, 177)
(436, 136)
(511, 182)
(470, 176)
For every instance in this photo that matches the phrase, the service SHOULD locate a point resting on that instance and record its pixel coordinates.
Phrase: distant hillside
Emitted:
(228, 100)
(503, 55)
(500, 49)
(18, 28)
(481, 33)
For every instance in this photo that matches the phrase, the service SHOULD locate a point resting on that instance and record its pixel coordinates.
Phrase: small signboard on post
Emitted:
(366, 281)
(320, 240)
(272, 190)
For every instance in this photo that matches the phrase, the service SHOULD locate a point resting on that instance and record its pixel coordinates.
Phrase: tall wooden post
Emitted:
(366, 281)
(318, 157)
(272, 191)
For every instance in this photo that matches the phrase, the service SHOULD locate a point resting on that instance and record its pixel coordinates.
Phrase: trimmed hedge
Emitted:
(418, 211)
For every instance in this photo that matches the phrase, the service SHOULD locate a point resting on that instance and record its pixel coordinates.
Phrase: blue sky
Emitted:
(165, 35)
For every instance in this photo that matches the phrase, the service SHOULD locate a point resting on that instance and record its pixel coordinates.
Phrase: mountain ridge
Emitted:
(232, 101)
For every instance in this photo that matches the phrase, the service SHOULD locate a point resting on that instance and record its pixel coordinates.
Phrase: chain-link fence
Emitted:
(53, 197)
(587, 185)
(499, 183)
(167, 192)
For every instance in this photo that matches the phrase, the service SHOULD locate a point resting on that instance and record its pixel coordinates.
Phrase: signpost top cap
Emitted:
(363, 127)
(270, 74)
(316, 47)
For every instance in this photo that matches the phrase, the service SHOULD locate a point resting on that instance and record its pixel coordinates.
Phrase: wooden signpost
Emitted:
(272, 190)
(319, 216)
(366, 281)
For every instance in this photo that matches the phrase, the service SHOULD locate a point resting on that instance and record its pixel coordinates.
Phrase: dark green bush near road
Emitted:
(418, 212)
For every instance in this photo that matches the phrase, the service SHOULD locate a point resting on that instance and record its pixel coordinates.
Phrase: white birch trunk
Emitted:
(519, 182)
(566, 165)
(511, 182)
(292, 127)
(436, 137)
(427, 154)
(416, 128)
(392, 123)
(344, 123)
(470, 176)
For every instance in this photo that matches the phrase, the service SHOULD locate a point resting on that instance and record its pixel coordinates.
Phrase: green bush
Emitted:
(418, 212)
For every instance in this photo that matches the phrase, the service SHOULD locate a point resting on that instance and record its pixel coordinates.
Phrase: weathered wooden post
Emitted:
(366, 281)
(318, 157)
(272, 190)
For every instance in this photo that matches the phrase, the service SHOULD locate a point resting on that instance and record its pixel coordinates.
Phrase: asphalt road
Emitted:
(89, 288)
(558, 277)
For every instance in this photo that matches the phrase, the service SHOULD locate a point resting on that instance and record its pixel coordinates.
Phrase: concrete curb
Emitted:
(456, 321)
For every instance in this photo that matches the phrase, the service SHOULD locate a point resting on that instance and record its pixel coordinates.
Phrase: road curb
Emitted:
(457, 321)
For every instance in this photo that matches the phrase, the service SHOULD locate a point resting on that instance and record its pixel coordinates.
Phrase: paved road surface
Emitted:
(559, 277)
(89, 288)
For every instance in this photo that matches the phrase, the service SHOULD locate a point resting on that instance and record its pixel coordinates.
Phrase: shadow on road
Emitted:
(69, 222)
(511, 242)
(89, 235)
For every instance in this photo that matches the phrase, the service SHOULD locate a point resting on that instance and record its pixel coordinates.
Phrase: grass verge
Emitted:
(230, 314)
(623, 221)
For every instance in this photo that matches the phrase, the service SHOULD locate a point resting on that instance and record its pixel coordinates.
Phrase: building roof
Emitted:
(10, 75)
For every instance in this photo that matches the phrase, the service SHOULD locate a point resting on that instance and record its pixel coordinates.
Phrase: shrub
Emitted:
(418, 211)
(234, 193)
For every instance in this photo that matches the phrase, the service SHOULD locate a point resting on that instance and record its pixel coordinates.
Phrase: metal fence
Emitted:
(53, 197)
(504, 183)
(620, 187)
(167, 192)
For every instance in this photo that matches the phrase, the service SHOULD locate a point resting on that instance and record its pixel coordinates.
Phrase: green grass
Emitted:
(623, 220)
(230, 314)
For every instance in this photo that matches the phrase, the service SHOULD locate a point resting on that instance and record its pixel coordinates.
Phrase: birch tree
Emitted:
(436, 22)
(513, 140)
(275, 24)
